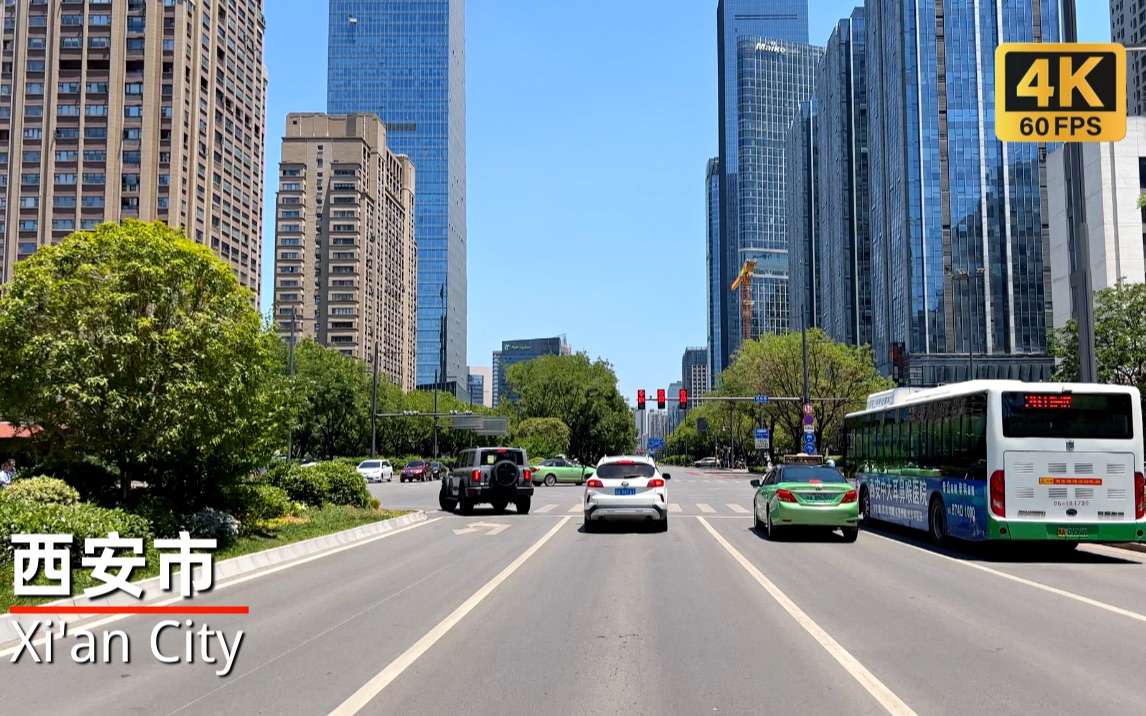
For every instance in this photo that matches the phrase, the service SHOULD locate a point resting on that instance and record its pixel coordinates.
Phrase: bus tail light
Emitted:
(785, 496)
(998, 495)
(1139, 496)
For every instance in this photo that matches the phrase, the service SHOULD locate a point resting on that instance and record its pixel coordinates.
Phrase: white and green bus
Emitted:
(1003, 460)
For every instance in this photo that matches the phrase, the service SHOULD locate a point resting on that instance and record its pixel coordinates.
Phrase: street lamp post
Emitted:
(374, 407)
(290, 370)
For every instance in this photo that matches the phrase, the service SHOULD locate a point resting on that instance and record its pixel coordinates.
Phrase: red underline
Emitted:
(128, 610)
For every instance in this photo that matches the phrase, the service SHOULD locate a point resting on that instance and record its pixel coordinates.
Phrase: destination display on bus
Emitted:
(1068, 415)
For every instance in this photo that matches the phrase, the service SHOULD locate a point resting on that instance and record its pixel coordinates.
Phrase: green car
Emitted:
(561, 469)
(805, 495)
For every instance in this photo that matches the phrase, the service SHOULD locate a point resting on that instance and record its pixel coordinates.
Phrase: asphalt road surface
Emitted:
(511, 614)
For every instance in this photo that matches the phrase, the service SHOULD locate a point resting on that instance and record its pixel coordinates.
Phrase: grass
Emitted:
(276, 533)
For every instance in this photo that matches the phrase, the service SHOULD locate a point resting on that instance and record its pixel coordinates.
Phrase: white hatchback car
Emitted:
(376, 470)
(627, 488)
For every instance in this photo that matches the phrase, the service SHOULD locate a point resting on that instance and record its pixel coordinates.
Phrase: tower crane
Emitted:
(744, 283)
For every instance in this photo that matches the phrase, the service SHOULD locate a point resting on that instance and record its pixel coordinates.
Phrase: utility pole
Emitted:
(804, 351)
(290, 370)
(1080, 280)
(374, 407)
(437, 383)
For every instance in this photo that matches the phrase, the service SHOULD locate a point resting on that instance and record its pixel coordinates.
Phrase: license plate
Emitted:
(1073, 532)
(625, 491)
(818, 496)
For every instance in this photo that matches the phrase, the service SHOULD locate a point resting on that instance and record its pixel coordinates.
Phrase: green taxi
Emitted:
(804, 491)
(560, 469)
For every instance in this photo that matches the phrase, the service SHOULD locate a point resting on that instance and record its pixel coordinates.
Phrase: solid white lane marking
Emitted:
(576, 508)
(705, 508)
(1026, 582)
(739, 509)
(384, 678)
(546, 508)
(859, 672)
(232, 582)
(674, 507)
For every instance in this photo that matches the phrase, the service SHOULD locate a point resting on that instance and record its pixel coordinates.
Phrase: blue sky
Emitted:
(588, 128)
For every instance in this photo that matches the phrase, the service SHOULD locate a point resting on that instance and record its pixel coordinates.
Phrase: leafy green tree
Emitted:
(138, 347)
(333, 393)
(580, 393)
(1119, 338)
(542, 438)
(840, 379)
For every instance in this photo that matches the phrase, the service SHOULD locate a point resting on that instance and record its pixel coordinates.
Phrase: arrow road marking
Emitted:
(493, 528)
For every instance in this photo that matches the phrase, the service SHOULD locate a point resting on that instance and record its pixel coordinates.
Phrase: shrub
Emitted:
(94, 482)
(258, 502)
(42, 491)
(375, 503)
(81, 520)
(159, 511)
(343, 485)
(210, 523)
(302, 484)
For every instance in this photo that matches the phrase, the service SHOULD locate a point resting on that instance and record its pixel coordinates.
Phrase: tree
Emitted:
(582, 394)
(840, 379)
(334, 393)
(1119, 338)
(140, 348)
(542, 437)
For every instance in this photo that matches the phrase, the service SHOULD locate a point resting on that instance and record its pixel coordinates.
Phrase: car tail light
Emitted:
(785, 496)
(849, 496)
(594, 482)
(656, 482)
(476, 475)
(1139, 496)
(998, 497)
(528, 476)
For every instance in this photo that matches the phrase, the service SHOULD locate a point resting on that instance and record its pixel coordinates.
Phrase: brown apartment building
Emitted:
(346, 267)
(146, 109)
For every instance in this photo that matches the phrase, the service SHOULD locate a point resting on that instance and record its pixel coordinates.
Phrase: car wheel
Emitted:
(756, 523)
(523, 504)
(663, 525)
(851, 534)
(769, 528)
(550, 480)
(465, 507)
(938, 521)
(589, 526)
(444, 500)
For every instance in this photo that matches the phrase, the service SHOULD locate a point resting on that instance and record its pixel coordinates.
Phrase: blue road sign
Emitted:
(809, 438)
(761, 433)
(652, 453)
(760, 399)
(656, 443)
(810, 449)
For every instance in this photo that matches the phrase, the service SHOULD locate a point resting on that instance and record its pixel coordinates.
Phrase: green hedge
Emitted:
(325, 483)
(258, 502)
(81, 521)
(41, 491)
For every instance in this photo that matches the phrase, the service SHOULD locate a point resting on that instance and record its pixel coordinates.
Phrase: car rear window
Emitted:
(369, 464)
(618, 470)
(489, 457)
(415, 463)
(808, 473)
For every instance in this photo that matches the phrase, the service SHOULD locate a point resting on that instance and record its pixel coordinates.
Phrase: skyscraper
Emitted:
(694, 372)
(405, 61)
(514, 352)
(949, 199)
(802, 167)
(1128, 27)
(844, 271)
(716, 291)
(779, 20)
(346, 264)
(130, 110)
(775, 77)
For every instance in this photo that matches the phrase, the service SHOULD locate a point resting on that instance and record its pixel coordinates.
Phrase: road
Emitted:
(509, 614)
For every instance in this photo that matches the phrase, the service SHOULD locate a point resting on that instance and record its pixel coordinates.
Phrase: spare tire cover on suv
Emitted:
(504, 473)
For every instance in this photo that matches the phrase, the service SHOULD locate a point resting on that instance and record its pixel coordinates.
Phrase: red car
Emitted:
(416, 470)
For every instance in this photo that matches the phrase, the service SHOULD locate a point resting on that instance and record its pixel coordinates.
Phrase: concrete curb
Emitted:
(225, 570)
(1131, 546)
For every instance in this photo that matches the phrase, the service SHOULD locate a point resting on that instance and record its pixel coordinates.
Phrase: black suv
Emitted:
(489, 475)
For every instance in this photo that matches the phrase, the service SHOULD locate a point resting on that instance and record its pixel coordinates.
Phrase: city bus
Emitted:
(1002, 460)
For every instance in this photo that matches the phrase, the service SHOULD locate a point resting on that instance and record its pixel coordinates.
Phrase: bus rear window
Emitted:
(1107, 416)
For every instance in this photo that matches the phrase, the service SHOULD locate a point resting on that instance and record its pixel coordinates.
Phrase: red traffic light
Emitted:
(661, 398)
(640, 400)
(683, 399)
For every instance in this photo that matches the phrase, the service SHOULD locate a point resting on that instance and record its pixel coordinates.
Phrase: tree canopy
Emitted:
(137, 346)
(1119, 338)
(542, 438)
(580, 393)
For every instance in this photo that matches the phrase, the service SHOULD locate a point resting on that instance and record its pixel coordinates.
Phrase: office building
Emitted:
(1128, 27)
(775, 77)
(715, 288)
(694, 372)
(801, 173)
(1115, 178)
(949, 199)
(404, 60)
(130, 110)
(784, 20)
(843, 274)
(483, 393)
(346, 263)
(514, 352)
(496, 371)
(658, 424)
(675, 414)
(476, 389)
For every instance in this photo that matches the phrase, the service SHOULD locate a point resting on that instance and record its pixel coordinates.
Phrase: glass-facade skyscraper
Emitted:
(514, 352)
(774, 78)
(405, 61)
(802, 167)
(716, 290)
(778, 20)
(949, 199)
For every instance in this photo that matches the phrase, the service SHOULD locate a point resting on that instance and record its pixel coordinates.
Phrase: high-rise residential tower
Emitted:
(345, 258)
(735, 19)
(404, 60)
(125, 109)
(959, 223)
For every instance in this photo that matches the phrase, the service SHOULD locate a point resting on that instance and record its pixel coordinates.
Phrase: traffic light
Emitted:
(640, 400)
(683, 399)
(660, 398)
